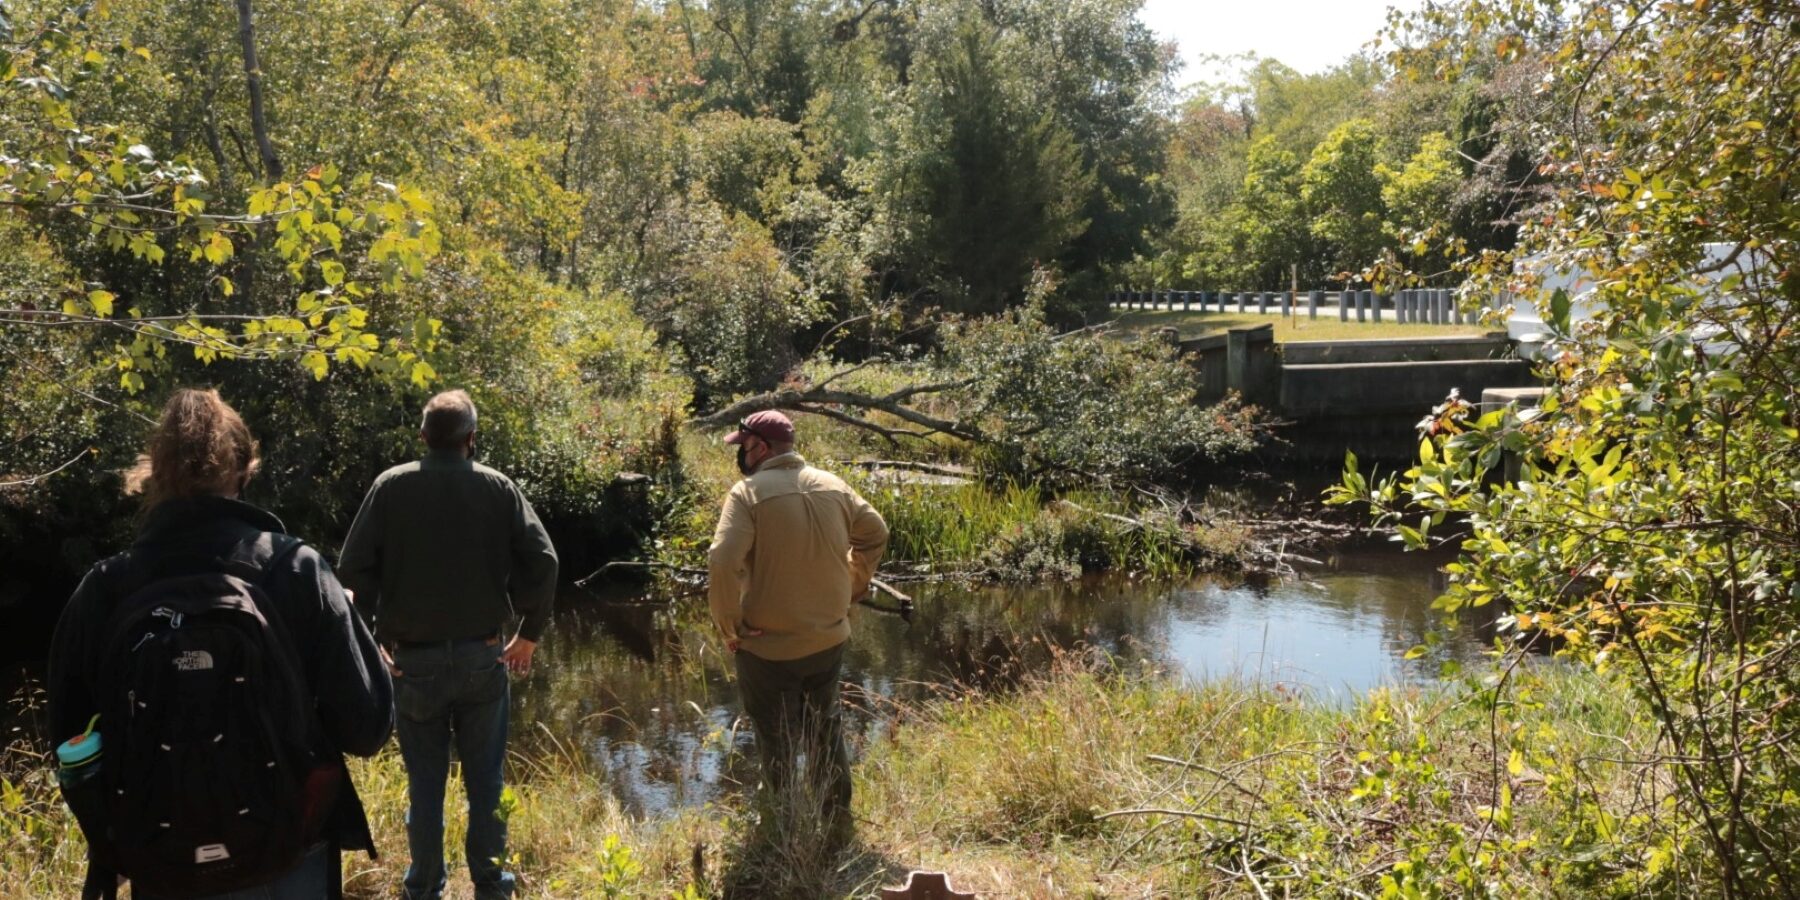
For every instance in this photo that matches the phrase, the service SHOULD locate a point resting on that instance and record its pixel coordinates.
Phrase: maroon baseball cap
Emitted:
(769, 425)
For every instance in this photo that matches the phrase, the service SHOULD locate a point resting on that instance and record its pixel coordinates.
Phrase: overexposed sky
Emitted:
(1308, 35)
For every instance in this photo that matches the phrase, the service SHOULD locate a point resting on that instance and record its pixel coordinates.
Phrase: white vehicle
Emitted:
(1526, 323)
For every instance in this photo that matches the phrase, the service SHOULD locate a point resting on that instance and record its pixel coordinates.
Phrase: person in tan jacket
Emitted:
(795, 546)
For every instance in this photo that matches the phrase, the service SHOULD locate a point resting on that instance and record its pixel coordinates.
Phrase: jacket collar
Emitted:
(181, 514)
(451, 458)
(788, 460)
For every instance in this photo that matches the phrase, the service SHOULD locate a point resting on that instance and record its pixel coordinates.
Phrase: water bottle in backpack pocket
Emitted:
(78, 778)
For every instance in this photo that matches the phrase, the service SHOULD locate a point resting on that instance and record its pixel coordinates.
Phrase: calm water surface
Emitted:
(649, 700)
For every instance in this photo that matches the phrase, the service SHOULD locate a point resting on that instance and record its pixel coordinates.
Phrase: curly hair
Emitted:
(201, 447)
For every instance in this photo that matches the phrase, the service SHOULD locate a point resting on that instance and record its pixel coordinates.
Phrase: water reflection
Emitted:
(643, 693)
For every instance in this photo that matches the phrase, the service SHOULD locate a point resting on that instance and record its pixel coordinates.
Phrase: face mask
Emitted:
(743, 460)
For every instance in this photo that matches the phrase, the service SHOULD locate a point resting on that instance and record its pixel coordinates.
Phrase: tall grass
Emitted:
(1096, 782)
(42, 853)
(949, 525)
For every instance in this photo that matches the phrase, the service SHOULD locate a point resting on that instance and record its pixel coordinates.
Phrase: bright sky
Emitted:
(1309, 35)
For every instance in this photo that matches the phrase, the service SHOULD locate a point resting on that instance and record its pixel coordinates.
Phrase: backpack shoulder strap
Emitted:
(280, 547)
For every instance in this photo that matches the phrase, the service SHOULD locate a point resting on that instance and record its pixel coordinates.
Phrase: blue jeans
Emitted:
(454, 692)
(309, 880)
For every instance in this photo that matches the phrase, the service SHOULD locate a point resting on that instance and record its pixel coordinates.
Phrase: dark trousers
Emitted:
(318, 875)
(453, 694)
(793, 704)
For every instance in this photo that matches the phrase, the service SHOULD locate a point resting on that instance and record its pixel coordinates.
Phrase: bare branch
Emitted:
(34, 479)
(1180, 813)
(874, 360)
(892, 435)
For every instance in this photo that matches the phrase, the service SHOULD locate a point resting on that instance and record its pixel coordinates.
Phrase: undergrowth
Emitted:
(1092, 781)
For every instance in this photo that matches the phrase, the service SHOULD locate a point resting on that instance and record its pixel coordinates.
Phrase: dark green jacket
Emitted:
(446, 548)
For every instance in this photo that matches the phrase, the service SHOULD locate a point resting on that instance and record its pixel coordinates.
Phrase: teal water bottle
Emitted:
(78, 774)
(78, 758)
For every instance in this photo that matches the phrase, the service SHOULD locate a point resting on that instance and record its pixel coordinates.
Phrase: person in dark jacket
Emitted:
(443, 554)
(200, 457)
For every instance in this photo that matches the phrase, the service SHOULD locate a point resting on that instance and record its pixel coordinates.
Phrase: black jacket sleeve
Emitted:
(533, 583)
(343, 665)
(359, 564)
(70, 680)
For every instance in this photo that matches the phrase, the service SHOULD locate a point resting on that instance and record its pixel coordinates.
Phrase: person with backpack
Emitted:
(443, 554)
(223, 673)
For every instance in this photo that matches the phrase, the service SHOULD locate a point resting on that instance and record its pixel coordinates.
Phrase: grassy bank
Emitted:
(1097, 783)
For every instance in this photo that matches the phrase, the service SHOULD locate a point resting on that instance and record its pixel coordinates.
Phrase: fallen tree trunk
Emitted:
(924, 468)
(695, 572)
(823, 400)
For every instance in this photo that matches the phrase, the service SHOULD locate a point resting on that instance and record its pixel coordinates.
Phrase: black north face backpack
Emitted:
(212, 783)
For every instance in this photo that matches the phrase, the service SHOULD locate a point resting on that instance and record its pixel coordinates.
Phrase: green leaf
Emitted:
(1559, 311)
(102, 301)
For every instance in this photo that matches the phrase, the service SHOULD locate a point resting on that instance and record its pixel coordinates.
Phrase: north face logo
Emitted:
(193, 661)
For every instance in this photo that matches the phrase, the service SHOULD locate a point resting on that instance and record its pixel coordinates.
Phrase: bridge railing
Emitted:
(1425, 306)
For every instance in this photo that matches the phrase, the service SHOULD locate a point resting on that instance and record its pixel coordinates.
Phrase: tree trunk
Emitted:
(259, 124)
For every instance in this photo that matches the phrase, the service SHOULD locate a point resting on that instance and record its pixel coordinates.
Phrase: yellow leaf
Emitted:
(315, 362)
(218, 248)
(102, 301)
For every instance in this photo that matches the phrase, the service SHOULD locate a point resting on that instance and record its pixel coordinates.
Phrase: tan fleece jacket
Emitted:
(795, 545)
